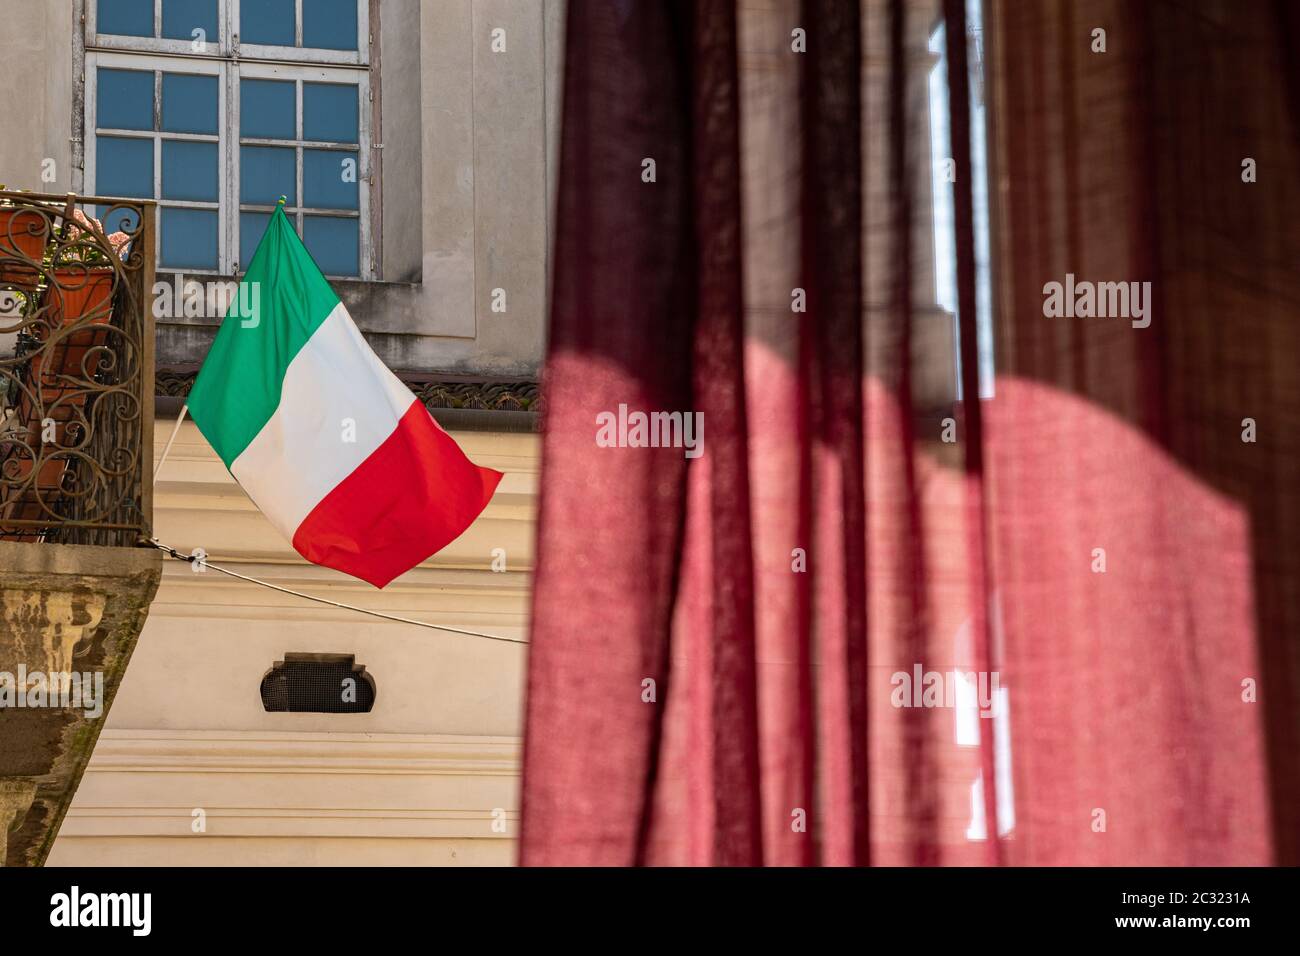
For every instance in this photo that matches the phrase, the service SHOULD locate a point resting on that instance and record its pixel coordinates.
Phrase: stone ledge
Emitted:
(148, 783)
(63, 608)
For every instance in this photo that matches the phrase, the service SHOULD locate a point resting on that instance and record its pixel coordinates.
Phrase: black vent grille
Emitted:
(318, 684)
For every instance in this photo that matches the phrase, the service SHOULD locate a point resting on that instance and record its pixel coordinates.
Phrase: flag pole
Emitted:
(175, 429)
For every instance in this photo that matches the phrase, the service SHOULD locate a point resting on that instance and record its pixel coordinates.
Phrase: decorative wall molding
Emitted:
(449, 392)
(154, 784)
(201, 751)
(487, 396)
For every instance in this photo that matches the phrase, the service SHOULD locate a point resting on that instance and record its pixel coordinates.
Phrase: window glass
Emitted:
(180, 18)
(251, 227)
(329, 24)
(333, 243)
(329, 112)
(329, 179)
(267, 109)
(124, 99)
(124, 167)
(189, 238)
(216, 141)
(266, 173)
(189, 103)
(268, 22)
(189, 171)
(125, 17)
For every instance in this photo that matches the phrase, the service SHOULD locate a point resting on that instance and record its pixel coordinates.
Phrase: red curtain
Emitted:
(878, 621)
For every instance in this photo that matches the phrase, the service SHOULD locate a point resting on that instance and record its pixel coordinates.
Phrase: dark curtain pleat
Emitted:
(719, 380)
(832, 268)
(916, 759)
(610, 522)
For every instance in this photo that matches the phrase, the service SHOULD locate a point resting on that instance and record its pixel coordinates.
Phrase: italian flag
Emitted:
(328, 443)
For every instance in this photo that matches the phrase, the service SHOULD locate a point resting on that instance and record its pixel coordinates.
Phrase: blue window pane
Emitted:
(131, 18)
(189, 238)
(266, 173)
(189, 103)
(329, 113)
(124, 99)
(329, 179)
(251, 227)
(124, 167)
(269, 22)
(180, 18)
(333, 243)
(329, 24)
(189, 171)
(267, 109)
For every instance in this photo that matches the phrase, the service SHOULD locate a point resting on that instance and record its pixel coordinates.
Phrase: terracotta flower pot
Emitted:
(77, 293)
(23, 234)
(77, 308)
(48, 478)
(75, 296)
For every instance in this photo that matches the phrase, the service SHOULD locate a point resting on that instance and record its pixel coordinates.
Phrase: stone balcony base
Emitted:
(64, 610)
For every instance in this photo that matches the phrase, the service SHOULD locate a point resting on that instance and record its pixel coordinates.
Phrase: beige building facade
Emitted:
(190, 769)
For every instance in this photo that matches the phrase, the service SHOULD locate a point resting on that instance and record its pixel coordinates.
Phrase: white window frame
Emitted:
(255, 51)
(300, 75)
(230, 62)
(216, 48)
(227, 43)
(146, 63)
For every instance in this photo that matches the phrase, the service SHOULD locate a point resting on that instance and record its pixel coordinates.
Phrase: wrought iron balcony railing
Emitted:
(76, 368)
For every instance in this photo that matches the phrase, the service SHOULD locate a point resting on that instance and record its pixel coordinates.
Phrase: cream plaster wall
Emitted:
(414, 782)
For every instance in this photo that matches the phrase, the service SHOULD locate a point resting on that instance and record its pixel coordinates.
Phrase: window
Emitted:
(945, 240)
(217, 108)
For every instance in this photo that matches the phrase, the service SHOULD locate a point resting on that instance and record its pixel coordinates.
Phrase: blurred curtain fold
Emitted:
(750, 226)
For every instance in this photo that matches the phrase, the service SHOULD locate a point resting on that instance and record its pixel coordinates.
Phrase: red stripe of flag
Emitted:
(411, 498)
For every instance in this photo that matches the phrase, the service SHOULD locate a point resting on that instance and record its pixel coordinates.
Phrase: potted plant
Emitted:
(79, 297)
(81, 272)
(23, 236)
(82, 280)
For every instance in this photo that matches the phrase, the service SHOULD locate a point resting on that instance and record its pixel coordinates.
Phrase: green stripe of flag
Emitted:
(238, 389)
